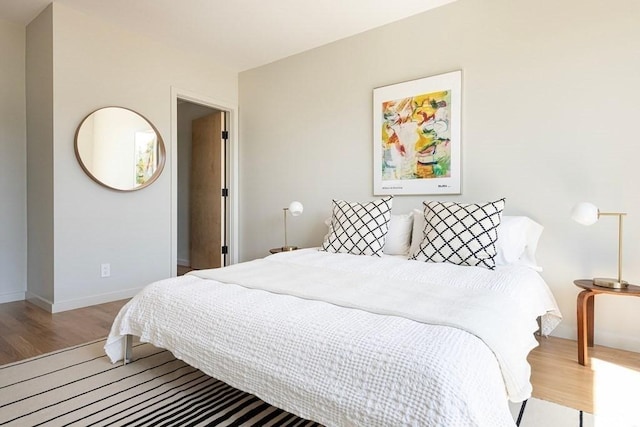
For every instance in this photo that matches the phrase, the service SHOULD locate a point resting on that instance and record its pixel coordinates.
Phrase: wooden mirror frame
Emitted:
(160, 153)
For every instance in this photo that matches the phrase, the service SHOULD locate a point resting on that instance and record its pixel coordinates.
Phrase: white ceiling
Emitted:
(243, 33)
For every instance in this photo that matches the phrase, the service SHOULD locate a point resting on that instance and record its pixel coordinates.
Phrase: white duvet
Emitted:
(344, 366)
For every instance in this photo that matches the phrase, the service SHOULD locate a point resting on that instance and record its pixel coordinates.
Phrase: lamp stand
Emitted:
(286, 247)
(617, 283)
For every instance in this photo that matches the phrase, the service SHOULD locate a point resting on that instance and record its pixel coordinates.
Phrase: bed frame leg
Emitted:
(128, 349)
(524, 405)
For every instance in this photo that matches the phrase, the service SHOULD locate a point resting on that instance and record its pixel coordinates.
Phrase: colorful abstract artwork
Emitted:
(417, 136)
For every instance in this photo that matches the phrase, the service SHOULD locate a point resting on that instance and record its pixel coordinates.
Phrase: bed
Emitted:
(349, 340)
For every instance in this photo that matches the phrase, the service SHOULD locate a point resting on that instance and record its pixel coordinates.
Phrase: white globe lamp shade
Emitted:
(585, 213)
(296, 208)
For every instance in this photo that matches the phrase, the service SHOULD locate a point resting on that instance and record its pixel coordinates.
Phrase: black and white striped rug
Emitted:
(80, 387)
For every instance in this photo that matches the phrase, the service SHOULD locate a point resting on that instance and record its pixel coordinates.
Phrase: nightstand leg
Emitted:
(590, 307)
(585, 323)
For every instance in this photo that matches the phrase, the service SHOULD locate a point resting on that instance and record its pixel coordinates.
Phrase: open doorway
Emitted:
(202, 187)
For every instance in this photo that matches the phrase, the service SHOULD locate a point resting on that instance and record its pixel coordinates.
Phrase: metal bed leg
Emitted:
(128, 349)
(524, 404)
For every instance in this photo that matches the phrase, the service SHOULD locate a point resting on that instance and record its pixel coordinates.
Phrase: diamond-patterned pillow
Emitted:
(358, 228)
(458, 233)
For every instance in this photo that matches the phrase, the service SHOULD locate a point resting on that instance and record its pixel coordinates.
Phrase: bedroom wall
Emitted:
(13, 141)
(95, 65)
(40, 198)
(550, 92)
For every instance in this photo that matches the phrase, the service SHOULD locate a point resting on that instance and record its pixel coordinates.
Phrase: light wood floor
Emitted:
(610, 384)
(612, 380)
(26, 330)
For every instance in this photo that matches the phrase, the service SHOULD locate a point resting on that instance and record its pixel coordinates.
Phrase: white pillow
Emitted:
(517, 241)
(358, 228)
(418, 230)
(398, 240)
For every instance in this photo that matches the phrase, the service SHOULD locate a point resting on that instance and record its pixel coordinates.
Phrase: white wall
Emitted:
(97, 65)
(13, 140)
(550, 106)
(39, 89)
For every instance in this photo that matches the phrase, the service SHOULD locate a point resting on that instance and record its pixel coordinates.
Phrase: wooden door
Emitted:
(206, 203)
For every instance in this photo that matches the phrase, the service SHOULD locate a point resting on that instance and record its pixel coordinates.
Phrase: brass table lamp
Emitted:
(586, 214)
(295, 209)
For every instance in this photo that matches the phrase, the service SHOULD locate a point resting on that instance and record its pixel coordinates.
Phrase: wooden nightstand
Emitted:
(278, 250)
(585, 303)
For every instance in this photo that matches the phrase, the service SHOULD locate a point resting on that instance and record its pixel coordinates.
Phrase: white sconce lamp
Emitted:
(587, 214)
(295, 209)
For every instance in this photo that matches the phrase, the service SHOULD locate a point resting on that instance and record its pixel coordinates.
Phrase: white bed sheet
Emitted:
(339, 366)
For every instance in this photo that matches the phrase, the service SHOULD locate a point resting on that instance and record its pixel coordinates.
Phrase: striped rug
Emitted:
(79, 386)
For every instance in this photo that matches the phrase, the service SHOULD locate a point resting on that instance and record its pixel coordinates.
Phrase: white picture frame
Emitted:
(416, 136)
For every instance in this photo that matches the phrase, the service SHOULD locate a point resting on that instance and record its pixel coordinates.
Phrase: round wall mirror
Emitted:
(120, 149)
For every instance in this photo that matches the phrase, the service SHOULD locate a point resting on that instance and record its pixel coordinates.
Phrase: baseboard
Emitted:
(601, 338)
(12, 296)
(184, 262)
(564, 331)
(43, 303)
(94, 300)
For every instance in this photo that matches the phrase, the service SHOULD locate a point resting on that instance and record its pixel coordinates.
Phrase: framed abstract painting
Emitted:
(416, 136)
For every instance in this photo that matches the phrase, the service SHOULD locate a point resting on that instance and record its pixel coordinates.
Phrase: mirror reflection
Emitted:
(119, 149)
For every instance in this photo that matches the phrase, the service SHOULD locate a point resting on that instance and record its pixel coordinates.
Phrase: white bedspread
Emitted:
(345, 366)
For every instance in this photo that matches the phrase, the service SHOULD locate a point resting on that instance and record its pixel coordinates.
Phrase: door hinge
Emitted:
(225, 250)
(225, 134)
(225, 192)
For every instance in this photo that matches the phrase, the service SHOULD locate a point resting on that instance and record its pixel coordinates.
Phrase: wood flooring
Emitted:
(26, 330)
(610, 383)
(613, 377)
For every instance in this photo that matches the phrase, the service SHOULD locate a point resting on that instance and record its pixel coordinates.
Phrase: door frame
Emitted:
(232, 170)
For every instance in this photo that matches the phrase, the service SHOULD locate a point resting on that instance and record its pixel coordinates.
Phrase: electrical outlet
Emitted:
(105, 270)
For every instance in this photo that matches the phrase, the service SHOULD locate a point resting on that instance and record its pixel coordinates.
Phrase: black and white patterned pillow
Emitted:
(459, 233)
(358, 228)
